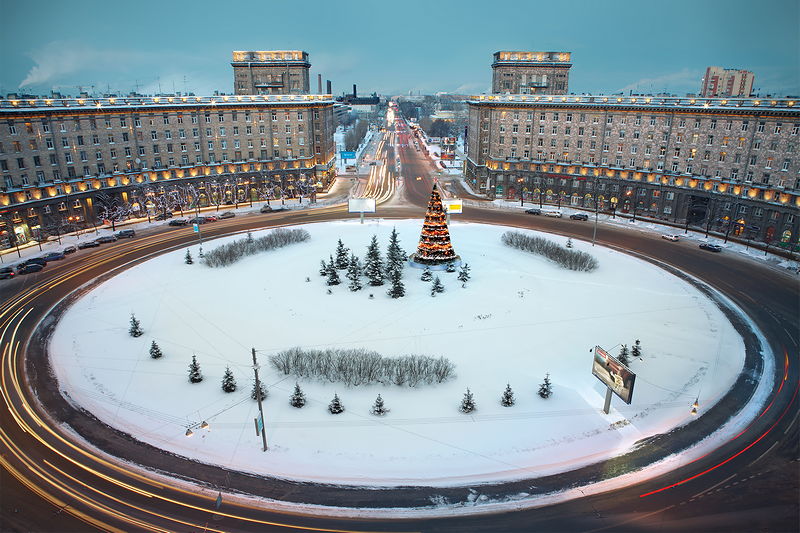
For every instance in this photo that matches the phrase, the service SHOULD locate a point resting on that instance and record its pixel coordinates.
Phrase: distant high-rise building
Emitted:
(531, 72)
(726, 82)
(271, 72)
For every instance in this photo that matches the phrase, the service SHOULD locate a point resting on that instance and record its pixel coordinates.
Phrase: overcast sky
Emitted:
(394, 48)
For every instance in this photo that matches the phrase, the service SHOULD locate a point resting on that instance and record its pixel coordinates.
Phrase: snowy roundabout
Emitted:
(518, 319)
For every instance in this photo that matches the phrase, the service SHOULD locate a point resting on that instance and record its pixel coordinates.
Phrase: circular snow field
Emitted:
(519, 318)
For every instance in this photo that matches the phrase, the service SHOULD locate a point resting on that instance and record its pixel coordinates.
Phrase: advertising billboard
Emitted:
(347, 155)
(454, 206)
(613, 374)
(361, 205)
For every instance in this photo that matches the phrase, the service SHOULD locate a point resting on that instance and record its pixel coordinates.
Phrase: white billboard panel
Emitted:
(453, 206)
(361, 205)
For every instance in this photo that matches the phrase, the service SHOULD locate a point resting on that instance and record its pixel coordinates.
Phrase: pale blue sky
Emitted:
(395, 48)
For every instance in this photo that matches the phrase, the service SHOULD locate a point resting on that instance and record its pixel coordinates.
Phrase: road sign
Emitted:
(196, 228)
(454, 206)
(347, 155)
(361, 205)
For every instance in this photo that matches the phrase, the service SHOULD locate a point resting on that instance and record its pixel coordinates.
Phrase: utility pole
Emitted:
(260, 408)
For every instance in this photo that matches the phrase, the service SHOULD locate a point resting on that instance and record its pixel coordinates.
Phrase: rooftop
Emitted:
(533, 57)
(265, 56)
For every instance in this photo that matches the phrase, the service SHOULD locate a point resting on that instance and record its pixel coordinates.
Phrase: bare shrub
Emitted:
(229, 253)
(565, 257)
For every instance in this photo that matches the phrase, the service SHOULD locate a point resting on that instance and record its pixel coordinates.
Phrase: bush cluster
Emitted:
(565, 257)
(362, 367)
(227, 254)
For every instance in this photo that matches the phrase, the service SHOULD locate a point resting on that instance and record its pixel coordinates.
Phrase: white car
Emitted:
(669, 237)
(556, 214)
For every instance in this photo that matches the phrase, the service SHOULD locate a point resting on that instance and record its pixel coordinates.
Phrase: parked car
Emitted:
(7, 272)
(38, 260)
(534, 211)
(70, 249)
(227, 214)
(671, 237)
(579, 216)
(126, 234)
(270, 209)
(163, 216)
(54, 256)
(88, 244)
(178, 222)
(711, 247)
(197, 220)
(27, 268)
(106, 238)
(556, 214)
(211, 218)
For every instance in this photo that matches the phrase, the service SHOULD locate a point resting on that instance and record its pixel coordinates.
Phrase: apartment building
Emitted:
(530, 72)
(271, 72)
(727, 83)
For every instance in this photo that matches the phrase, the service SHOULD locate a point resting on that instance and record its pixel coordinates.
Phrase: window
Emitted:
(713, 124)
(786, 163)
(745, 124)
(168, 135)
(710, 140)
(777, 128)
(49, 143)
(795, 128)
(652, 120)
(760, 128)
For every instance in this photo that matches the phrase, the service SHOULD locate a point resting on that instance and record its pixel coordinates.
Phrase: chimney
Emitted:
(354, 90)
(319, 83)
(330, 89)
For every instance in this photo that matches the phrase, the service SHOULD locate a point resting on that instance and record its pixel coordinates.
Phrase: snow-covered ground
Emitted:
(519, 318)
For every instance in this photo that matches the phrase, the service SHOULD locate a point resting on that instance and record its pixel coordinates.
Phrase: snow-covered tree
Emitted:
(426, 275)
(228, 381)
(342, 258)
(463, 274)
(378, 408)
(636, 350)
(136, 329)
(155, 351)
(373, 267)
(437, 286)
(249, 237)
(450, 267)
(336, 407)
(397, 290)
(195, 376)
(624, 355)
(261, 389)
(467, 403)
(546, 388)
(569, 242)
(298, 399)
(323, 268)
(395, 256)
(354, 274)
(508, 397)
(188, 257)
(333, 275)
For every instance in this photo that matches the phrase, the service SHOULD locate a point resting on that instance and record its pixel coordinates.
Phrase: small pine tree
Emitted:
(249, 238)
(398, 290)
(623, 355)
(426, 275)
(467, 403)
(298, 399)
(333, 275)
(155, 351)
(395, 256)
(437, 286)
(188, 258)
(508, 397)
(546, 388)
(342, 259)
(354, 274)
(195, 376)
(569, 242)
(228, 381)
(261, 389)
(636, 350)
(463, 274)
(373, 267)
(378, 408)
(450, 267)
(323, 268)
(135, 330)
(336, 406)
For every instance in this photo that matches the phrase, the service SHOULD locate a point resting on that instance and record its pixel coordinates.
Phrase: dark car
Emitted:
(105, 238)
(163, 216)
(54, 256)
(6, 273)
(227, 214)
(88, 244)
(711, 247)
(70, 249)
(178, 222)
(534, 211)
(27, 268)
(270, 209)
(197, 220)
(579, 216)
(126, 233)
(37, 260)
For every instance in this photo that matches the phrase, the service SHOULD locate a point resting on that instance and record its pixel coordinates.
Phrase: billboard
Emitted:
(347, 155)
(613, 374)
(454, 206)
(361, 205)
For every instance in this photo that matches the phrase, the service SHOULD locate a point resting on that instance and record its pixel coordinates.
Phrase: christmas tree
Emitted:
(623, 355)
(135, 330)
(333, 275)
(463, 274)
(398, 290)
(342, 259)
(336, 406)
(546, 388)
(450, 267)
(261, 389)
(636, 351)
(426, 275)
(437, 286)
(395, 256)
(434, 242)
(378, 408)
(508, 397)
(188, 257)
(373, 267)
(228, 381)
(194, 371)
(354, 274)
(155, 351)
(467, 403)
(298, 399)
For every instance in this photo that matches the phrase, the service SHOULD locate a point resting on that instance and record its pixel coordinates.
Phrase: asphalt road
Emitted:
(747, 484)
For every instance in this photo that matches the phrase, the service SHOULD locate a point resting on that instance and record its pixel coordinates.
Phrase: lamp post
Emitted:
(596, 212)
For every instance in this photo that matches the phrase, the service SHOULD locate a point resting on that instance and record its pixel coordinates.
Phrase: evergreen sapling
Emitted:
(378, 408)
(228, 381)
(398, 290)
(188, 257)
(335, 407)
(395, 256)
(195, 376)
(437, 286)
(354, 274)
(467, 403)
(463, 274)
(569, 242)
(373, 267)
(333, 275)
(426, 275)
(323, 268)
(298, 399)
(260, 389)
(342, 259)
(636, 350)
(450, 267)
(135, 330)
(623, 355)
(155, 351)
(508, 397)
(546, 388)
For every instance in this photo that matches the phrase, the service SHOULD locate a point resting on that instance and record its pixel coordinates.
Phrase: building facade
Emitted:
(727, 83)
(732, 165)
(530, 72)
(271, 72)
(74, 159)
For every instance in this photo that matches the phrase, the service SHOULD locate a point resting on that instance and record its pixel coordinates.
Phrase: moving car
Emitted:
(710, 247)
(534, 211)
(106, 238)
(126, 233)
(227, 214)
(54, 256)
(178, 222)
(27, 268)
(6, 273)
(670, 237)
(88, 244)
(579, 216)
(556, 214)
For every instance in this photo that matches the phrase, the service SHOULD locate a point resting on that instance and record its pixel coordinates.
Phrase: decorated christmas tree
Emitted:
(435, 249)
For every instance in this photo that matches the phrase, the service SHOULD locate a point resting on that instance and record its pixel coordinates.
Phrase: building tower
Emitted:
(271, 72)
(727, 82)
(531, 72)
(435, 251)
